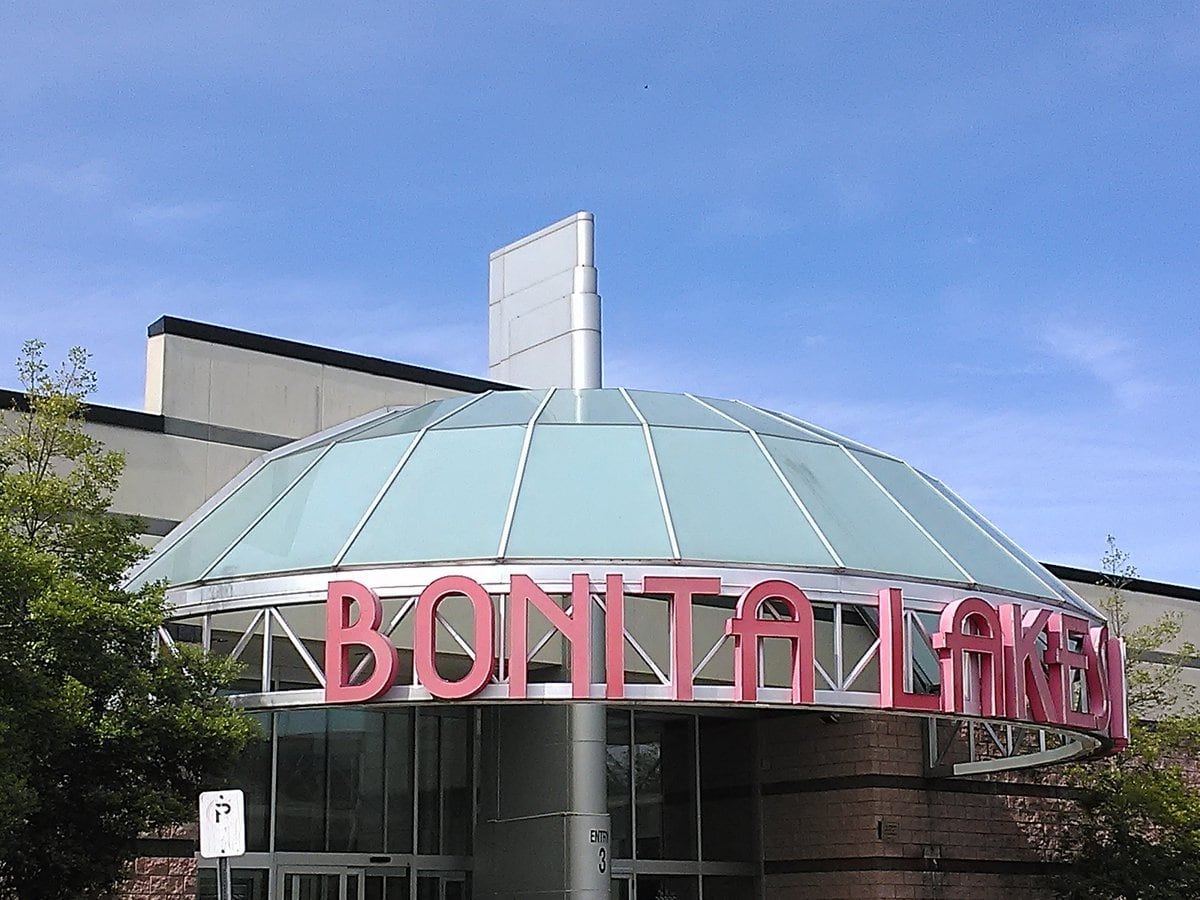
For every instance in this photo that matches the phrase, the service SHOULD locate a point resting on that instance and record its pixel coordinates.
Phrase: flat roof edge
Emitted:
(342, 359)
(1141, 585)
(92, 412)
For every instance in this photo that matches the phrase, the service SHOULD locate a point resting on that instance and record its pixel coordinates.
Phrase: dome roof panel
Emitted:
(603, 406)
(449, 500)
(678, 410)
(763, 422)
(502, 408)
(215, 530)
(613, 513)
(591, 475)
(727, 503)
(307, 528)
(866, 527)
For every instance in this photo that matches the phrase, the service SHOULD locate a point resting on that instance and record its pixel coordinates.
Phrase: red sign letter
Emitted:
(681, 590)
(425, 639)
(1026, 686)
(970, 627)
(748, 630)
(574, 626)
(614, 637)
(892, 664)
(1065, 661)
(340, 635)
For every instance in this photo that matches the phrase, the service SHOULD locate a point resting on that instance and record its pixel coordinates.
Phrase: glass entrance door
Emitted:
(339, 883)
(314, 885)
(442, 886)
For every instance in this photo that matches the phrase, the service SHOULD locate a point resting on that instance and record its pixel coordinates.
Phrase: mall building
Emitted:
(534, 637)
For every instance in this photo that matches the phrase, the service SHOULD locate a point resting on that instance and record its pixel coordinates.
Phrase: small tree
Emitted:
(102, 736)
(1136, 834)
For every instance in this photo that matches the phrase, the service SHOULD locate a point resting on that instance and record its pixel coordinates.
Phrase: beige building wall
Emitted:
(217, 398)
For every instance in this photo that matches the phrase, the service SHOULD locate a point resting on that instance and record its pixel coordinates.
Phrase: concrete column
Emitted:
(543, 814)
(543, 308)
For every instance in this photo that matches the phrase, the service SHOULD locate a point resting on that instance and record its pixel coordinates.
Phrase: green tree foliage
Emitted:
(103, 733)
(1136, 834)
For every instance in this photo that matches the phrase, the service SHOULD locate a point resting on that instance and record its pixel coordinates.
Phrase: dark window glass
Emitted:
(300, 789)
(729, 887)
(669, 887)
(248, 884)
(398, 757)
(664, 766)
(310, 887)
(428, 773)
(427, 887)
(727, 819)
(385, 887)
(253, 776)
(355, 767)
(620, 800)
(457, 764)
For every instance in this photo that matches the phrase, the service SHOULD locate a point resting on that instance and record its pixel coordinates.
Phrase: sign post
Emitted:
(223, 833)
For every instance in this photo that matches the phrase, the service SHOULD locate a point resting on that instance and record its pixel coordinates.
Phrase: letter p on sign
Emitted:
(222, 824)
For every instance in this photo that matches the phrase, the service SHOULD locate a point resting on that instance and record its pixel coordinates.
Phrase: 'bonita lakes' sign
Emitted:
(1035, 665)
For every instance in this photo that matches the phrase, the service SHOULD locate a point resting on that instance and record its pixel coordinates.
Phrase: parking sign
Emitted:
(222, 824)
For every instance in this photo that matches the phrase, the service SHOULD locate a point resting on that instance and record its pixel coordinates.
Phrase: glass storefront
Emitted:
(354, 803)
(360, 803)
(681, 795)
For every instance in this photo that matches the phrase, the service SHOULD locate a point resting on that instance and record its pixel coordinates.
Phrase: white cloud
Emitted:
(168, 213)
(1107, 356)
(85, 181)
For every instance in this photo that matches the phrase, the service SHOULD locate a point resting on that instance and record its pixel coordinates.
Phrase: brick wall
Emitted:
(849, 813)
(167, 870)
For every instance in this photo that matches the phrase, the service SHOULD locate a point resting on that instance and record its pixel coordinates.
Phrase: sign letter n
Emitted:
(341, 635)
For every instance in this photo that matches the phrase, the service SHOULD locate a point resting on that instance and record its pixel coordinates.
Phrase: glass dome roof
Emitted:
(604, 474)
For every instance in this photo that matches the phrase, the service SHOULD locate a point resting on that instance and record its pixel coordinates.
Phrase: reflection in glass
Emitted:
(300, 788)
(727, 819)
(668, 887)
(457, 764)
(247, 884)
(620, 801)
(310, 887)
(428, 813)
(253, 775)
(729, 887)
(398, 746)
(385, 887)
(355, 773)
(664, 768)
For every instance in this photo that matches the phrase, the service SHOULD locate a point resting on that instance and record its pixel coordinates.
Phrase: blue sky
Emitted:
(965, 233)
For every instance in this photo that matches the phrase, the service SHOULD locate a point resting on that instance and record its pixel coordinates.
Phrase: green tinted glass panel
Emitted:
(308, 527)
(675, 409)
(589, 492)
(448, 502)
(195, 551)
(501, 408)
(416, 418)
(866, 529)
(596, 407)
(836, 438)
(982, 557)
(764, 423)
(1052, 585)
(727, 503)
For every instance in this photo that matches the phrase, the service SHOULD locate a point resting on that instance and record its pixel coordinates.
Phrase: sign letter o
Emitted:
(425, 638)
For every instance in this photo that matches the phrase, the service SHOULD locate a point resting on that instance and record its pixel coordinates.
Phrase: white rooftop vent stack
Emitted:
(543, 309)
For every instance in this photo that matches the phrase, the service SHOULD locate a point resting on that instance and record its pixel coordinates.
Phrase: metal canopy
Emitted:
(604, 474)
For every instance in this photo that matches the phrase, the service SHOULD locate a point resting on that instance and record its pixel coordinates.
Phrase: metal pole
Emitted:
(224, 879)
